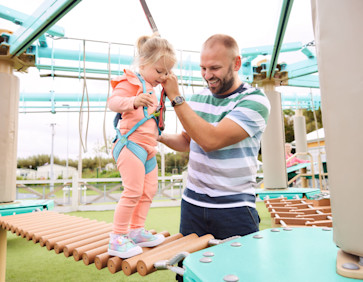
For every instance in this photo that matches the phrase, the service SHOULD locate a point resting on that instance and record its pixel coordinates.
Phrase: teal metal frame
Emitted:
(280, 254)
(38, 23)
(284, 19)
(25, 206)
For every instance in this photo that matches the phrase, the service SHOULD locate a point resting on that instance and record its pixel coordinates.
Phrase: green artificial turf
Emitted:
(27, 261)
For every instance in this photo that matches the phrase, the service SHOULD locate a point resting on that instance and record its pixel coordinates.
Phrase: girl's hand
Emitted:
(143, 100)
(171, 86)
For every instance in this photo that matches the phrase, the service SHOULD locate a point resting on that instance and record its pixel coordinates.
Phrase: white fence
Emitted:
(88, 191)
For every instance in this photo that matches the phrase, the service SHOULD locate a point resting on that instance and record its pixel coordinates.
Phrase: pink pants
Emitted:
(139, 190)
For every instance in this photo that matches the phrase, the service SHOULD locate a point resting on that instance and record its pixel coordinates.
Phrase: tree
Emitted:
(309, 119)
(289, 125)
(177, 160)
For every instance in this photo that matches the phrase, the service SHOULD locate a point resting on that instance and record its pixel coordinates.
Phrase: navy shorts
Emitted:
(221, 223)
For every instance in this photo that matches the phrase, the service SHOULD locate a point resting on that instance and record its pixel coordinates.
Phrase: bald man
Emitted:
(222, 128)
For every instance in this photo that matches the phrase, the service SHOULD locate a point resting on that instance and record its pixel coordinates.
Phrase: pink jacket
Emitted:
(125, 90)
(294, 160)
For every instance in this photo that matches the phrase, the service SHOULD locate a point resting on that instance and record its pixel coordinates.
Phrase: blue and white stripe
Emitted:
(226, 177)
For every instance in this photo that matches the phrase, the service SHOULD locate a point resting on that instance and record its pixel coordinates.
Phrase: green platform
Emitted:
(289, 193)
(25, 206)
(299, 255)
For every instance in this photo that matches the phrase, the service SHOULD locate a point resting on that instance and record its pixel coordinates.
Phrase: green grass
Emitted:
(27, 261)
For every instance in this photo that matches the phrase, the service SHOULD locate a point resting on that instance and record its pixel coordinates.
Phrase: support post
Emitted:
(341, 87)
(272, 144)
(3, 242)
(300, 133)
(9, 105)
(75, 198)
(9, 97)
(301, 143)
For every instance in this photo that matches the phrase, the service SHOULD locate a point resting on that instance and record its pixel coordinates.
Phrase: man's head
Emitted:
(220, 62)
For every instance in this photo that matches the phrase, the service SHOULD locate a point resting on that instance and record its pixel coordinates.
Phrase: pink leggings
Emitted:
(139, 190)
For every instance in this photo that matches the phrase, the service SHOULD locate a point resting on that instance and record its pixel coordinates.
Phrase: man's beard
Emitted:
(225, 84)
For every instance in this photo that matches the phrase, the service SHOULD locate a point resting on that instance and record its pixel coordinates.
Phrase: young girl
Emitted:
(155, 59)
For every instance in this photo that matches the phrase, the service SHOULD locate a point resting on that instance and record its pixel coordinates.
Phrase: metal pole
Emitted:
(67, 141)
(52, 160)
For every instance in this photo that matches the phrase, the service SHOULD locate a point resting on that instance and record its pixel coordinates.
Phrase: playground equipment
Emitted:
(329, 19)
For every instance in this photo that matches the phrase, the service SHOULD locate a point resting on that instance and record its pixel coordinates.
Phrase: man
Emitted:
(223, 127)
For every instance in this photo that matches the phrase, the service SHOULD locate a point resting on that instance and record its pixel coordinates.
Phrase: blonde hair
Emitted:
(151, 49)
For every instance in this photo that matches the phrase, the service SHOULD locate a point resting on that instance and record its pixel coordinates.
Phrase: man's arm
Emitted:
(208, 136)
(177, 142)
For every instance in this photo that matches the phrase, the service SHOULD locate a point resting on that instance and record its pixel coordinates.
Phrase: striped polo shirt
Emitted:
(225, 178)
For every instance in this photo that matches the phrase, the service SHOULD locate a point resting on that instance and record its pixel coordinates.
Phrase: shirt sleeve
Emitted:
(251, 113)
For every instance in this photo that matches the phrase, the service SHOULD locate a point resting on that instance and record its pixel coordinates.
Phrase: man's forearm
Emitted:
(176, 142)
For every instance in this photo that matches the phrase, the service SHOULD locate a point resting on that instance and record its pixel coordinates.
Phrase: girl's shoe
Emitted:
(122, 246)
(144, 238)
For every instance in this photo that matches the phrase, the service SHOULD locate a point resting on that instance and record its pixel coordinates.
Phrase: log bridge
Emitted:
(87, 240)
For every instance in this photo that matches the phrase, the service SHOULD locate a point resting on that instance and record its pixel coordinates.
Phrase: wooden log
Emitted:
(68, 249)
(293, 221)
(57, 223)
(279, 204)
(101, 260)
(45, 222)
(282, 209)
(326, 223)
(81, 227)
(286, 214)
(315, 209)
(299, 206)
(114, 264)
(29, 222)
(95, 229)
(129, 265)
(321, 202)
(89, 256)
(20, 229)
(317, 216)
(275, 199)
(36, 234)
(146, 265)
(13, 219)
(78, 252)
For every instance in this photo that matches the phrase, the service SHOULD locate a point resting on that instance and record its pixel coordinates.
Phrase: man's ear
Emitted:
(237, 63)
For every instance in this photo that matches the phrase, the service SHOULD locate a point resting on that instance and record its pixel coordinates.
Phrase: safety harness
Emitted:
(122, 140)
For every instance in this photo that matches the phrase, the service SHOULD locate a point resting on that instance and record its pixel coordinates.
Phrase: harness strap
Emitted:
(139, 151)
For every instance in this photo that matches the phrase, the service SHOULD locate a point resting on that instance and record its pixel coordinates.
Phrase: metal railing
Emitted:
(303, 173)
(86, 191)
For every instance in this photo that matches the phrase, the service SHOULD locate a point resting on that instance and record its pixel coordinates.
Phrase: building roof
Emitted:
(314, 136)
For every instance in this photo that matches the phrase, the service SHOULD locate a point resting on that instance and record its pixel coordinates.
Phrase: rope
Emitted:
(181, 71)
(52, 75)
(84, 145)
(108, 95)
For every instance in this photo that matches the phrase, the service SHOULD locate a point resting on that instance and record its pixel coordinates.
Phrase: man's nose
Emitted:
(208, 75)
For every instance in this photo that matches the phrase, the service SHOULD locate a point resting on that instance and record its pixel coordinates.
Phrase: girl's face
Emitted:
(158, 72)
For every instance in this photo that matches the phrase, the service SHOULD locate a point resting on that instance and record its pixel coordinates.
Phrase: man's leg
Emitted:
(233, 221)
(192, 219)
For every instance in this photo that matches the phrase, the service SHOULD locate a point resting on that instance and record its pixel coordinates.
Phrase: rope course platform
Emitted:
(299, 212)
